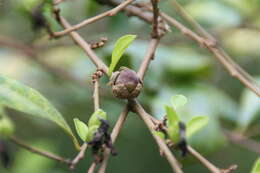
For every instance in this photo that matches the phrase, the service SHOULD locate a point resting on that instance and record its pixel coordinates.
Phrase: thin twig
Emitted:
(164, 148)
(80, 156)
(83, 44)
(117, 128)
(191, 21)
(243, 141)
(234, 69)
(155, 33)
(148, 57)
(92, 168)
(111, 12)
(203, 160)
(38, 151)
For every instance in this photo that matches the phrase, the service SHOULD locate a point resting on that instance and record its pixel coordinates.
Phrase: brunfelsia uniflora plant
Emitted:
(172, 132)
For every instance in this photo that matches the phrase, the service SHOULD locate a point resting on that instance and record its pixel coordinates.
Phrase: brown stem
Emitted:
(96, 95)
(80, 156)
(234, 69)
(111, 12)
(243, 141)
(38, 151)
(155, 19)
(203, 160)
(163, 147)
(117, 128)
(148, 57)
(83, 44)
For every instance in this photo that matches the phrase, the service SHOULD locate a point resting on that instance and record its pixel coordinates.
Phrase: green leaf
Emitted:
(171, 115)
(173, 132)
(6, 127)
(20, 97)
(95, 118)
(195, 124)
(256, 168)
(160, 134)
(81, 128)
(172, 124)
(91, 132)
(121, 44)
(178, 101)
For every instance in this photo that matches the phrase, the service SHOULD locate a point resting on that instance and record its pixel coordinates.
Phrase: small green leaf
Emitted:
(195, 124)
(6, 127)
(160, 134)
(95, 118)
(171, 115)
(91, 133)
(173, 132)
(178, 101)
(256, 168)
(81, 128)
(121, 44)
(20, 97)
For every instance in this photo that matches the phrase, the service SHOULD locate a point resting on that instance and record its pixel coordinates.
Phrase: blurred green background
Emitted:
(180, 67)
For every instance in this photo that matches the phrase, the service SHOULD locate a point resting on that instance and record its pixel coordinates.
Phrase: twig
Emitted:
(148, 57)
(95, 79)
(153, 43)
(167, 153)
(204, 161)
(193, 23)
(117, 128)
(38, 151)
(234, 69)
(155, 19)
(111, 12)
(80, 156)
(83, 44)
(92, 168)
(243, 141)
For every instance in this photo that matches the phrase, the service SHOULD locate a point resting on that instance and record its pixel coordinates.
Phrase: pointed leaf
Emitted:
(171, 115)
(18, 96)
(195, 124)
(94, 119)
(81, 128)
(256, 168)
(178, 101)
(120, 47)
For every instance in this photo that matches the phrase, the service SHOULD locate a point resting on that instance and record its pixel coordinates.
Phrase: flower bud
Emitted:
(126, 84)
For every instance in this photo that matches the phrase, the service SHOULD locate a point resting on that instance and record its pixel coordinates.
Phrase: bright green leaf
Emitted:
(82, 129)
(20, 97)
(121, 44)
(171, 115)
(256, 168)
(173, 132)
(91, 133)
(195, 124)
(160, 134)
(95, 118)
(178, 101)
(6, 127)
